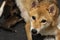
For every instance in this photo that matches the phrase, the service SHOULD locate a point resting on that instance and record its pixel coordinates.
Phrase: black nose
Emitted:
(34, 31)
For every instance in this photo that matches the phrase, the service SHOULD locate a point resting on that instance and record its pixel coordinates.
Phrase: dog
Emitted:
(41, 17)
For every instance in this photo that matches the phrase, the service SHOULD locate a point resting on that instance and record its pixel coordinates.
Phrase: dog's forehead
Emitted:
(41, 9)
(43, 5)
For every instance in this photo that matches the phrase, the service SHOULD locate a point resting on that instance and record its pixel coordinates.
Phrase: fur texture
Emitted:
(43, 17)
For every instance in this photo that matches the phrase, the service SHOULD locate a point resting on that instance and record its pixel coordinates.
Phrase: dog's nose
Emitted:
(34, 31)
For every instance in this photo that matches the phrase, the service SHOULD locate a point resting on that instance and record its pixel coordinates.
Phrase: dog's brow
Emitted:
(40, 1)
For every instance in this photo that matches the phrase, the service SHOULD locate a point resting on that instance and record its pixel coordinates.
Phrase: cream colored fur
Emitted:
(24, 12)
(2, 7)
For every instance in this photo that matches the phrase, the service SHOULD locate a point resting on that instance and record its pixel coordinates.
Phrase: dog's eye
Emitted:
(43, 21)
(33, 17)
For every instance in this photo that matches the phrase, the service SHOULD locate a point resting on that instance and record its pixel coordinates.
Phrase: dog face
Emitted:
(42, 16)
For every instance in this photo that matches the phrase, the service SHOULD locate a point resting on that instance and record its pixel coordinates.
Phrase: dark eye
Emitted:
(43, 21)
(33, 17)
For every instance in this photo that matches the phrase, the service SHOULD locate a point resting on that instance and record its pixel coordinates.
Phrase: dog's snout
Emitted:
(34, 31)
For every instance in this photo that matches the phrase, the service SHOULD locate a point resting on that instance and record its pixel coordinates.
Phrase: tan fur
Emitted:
(41, 11)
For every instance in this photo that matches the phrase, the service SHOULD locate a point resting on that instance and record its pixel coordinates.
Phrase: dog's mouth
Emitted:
(34, 32)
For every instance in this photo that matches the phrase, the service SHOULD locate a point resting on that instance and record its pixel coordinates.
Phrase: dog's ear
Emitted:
(34, 3)
(52, 9)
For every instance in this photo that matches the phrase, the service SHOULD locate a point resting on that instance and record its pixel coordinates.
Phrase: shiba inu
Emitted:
(41, 17)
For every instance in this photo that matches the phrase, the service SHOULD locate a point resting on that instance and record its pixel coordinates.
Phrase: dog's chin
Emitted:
(36, 34)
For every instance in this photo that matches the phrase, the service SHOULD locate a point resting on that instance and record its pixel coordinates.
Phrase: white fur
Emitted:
(31, 26)
(24, 12)
(51, 32)
(58, 26)
(49, 38)
(2, 7)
